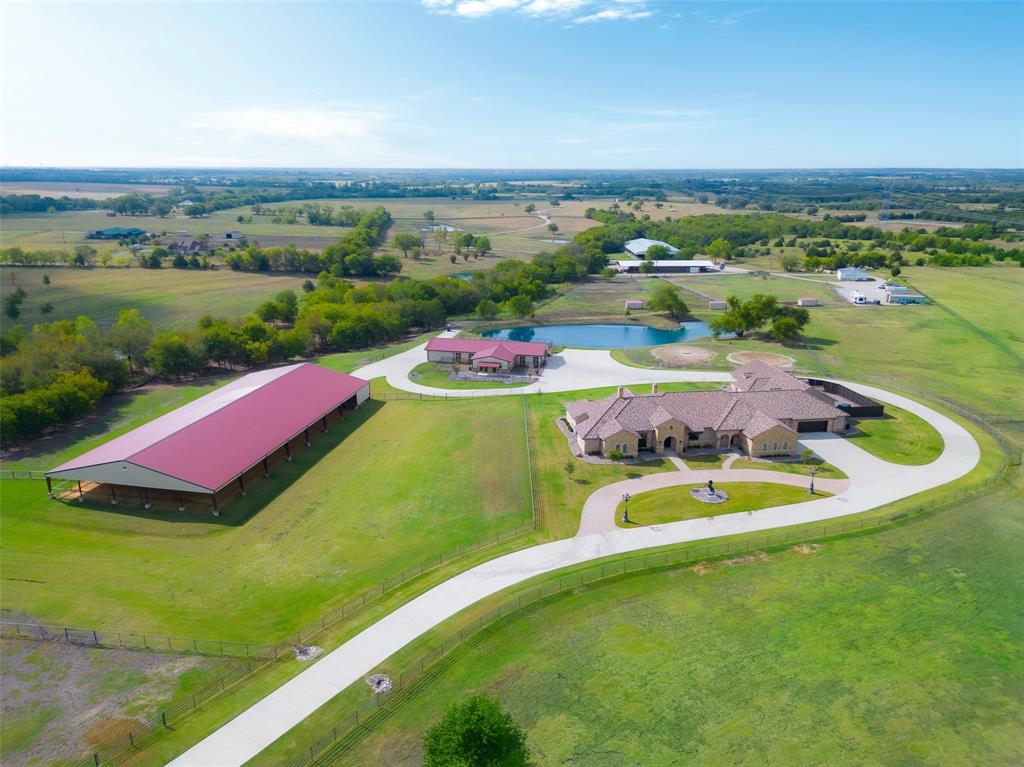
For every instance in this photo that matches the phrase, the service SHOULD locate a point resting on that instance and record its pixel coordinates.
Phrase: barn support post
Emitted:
(113, 496)
(306, 432)
(324, 422)
(216, 511)
(49, 487)
(288, 452)
(145, 498)
(266, 467)
(81, 495)
(241, 484)
(181, 502)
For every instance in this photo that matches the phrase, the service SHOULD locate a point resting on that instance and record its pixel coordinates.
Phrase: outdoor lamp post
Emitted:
(625, 508)
(810, 490)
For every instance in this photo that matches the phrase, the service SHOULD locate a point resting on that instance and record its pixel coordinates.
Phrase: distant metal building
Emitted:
(671, 266)
(641, 245)
(851, 274)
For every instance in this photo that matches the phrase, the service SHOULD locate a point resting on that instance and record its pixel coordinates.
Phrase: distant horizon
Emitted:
(524, 169)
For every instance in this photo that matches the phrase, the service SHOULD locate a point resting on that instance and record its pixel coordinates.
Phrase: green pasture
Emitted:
(900, 647)
(167, 297)
(389, 486)
(674, 504)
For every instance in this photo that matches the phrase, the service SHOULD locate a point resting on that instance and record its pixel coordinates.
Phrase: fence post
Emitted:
(66, 637)
(163, 717)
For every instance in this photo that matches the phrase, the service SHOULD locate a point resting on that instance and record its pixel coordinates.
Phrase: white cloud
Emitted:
(545, 7)
(329, 127)
(667, 112)
(732, 19)
(613, 14)
(605, 10)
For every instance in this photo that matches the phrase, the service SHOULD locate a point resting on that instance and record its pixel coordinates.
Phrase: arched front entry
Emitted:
(735, 441)
(724, 441)
(670, 443)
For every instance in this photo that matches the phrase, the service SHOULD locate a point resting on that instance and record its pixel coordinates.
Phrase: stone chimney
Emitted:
(654, 388)
(621, 392)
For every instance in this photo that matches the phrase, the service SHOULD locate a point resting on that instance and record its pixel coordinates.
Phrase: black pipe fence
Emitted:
(335, 742)
(22, 474)
(128, 640)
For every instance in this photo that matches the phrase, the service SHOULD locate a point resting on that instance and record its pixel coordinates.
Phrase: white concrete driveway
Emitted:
(873, 483)
(569, 370)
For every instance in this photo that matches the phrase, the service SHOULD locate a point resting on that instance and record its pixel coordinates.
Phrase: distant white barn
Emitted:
(640, 246)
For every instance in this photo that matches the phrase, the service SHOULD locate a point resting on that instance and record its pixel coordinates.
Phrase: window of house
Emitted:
(764, 447)
(785, 446)
(670, 427)
(694, 435)
(775, 447)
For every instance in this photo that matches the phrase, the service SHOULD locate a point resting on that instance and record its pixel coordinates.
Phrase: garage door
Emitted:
(806, 426)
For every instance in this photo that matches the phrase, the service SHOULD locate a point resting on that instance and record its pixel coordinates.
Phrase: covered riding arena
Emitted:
(213, 449)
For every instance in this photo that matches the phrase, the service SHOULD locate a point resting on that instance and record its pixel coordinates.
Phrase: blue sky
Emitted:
(514, 84)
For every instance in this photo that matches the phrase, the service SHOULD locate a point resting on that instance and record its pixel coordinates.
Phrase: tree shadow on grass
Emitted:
(238, 510)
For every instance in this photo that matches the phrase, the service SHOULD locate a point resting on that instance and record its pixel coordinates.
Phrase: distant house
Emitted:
(717, 305)
(666, 266)
(187, 245)
(807, 302)
(487, 355)
(639, 247)
(116, 233)
(632, 305)
(234, 234)
(851, 274)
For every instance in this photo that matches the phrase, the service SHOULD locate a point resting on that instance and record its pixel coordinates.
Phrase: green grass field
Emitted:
(168, 297)
(807, 461)
(427, 374)
(363, 503)
(900, 647)
(898, 437)
(673, 504)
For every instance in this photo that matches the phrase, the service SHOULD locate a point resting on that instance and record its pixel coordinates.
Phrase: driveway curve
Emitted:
(599, 509)
(873, 483)
(570, 370)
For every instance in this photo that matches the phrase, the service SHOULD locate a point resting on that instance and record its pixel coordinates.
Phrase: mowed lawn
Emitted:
(900, 647)
(169, 298)
(393, 484)
(674, 504)
(898, 437)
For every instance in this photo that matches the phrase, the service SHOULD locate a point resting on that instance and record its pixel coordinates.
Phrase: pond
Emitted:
(604, 336)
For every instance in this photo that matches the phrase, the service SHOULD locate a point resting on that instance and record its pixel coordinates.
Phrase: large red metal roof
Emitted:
(474, 345)
(213, 439)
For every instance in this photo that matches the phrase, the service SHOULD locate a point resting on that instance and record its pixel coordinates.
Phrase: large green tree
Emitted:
(406, 241)
(131, 335)
(475, 733)
(667, 298)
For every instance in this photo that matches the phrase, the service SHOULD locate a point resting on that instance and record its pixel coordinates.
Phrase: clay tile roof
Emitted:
(760, 423)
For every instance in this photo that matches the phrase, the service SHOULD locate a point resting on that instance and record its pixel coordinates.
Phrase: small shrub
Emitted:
(616, 455)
